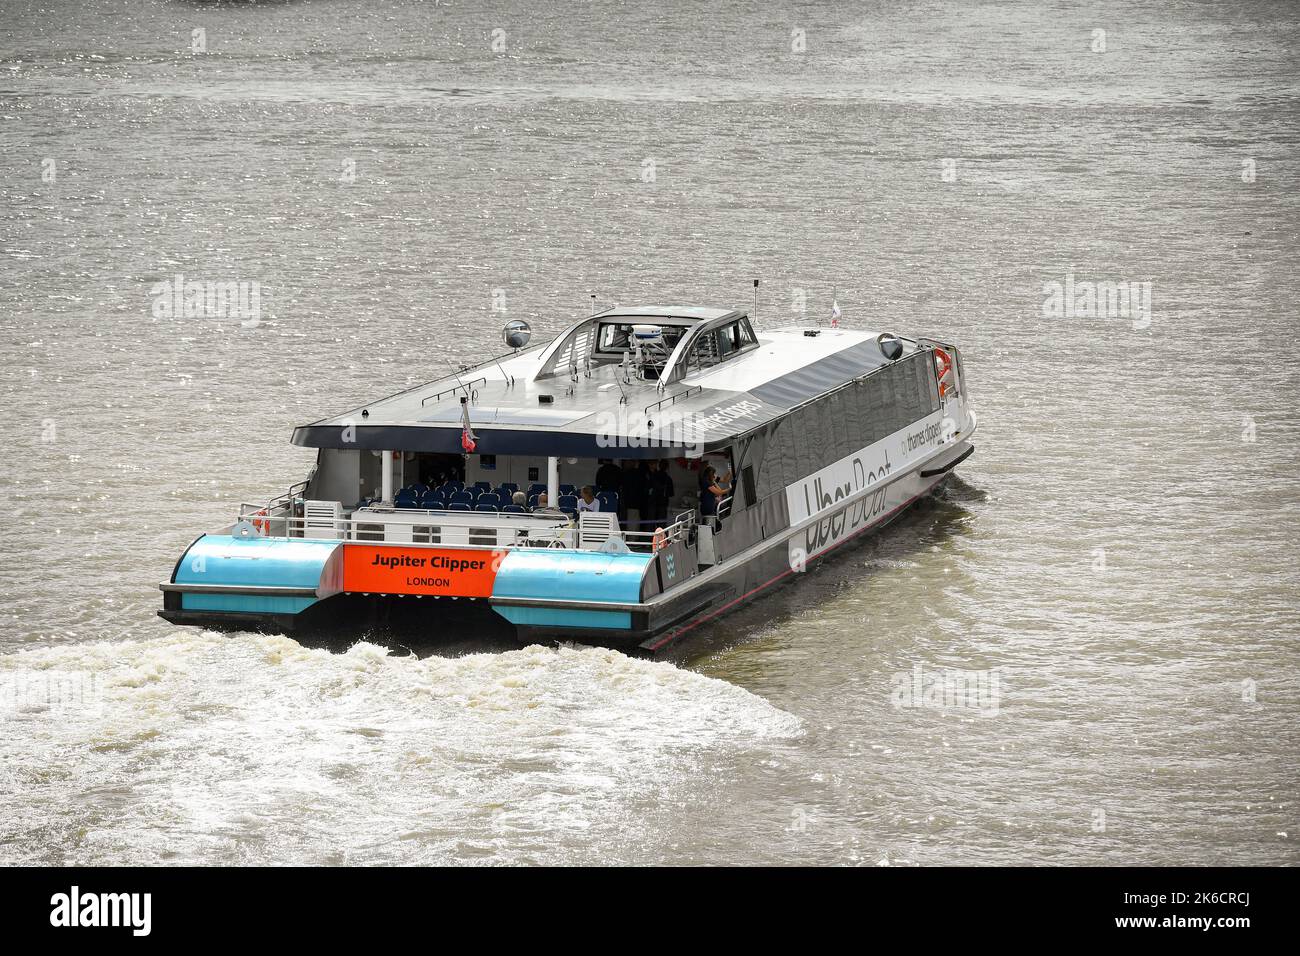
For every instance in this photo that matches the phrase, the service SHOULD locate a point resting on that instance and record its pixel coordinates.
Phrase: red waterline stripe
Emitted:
(700, 620)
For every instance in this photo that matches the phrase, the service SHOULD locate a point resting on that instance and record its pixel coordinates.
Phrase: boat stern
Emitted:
(229, 581)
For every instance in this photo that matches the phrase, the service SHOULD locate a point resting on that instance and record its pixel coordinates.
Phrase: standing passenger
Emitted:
(631, 500)
(659, 494)
(609, 477)
(712, 490)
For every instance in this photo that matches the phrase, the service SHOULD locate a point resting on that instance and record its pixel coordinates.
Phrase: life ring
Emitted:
(942, 368)
(660, 540)
(261, 523)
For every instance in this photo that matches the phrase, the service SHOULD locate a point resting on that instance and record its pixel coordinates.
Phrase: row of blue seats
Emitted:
(475, 498)
(567, 503)
(506, 488)
(460, 506)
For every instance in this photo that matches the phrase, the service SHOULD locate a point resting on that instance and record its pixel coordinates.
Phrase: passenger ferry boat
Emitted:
(816, 436)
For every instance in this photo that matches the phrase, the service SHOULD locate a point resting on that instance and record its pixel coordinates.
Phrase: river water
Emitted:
(1107, 593)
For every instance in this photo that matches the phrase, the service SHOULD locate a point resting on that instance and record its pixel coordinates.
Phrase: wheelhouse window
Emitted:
(721, 344)
(704, 352)
(742, 335)
(616, 337)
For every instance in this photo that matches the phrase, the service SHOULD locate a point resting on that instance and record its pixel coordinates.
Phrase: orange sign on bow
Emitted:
(385, 569)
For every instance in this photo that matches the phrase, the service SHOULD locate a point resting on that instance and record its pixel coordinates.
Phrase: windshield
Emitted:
(617, 337)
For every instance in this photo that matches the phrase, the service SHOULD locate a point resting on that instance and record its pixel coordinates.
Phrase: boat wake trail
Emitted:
(204, 748)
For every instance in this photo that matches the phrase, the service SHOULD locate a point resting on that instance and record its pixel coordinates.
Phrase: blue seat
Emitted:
(532, 502)
(608, 500)
(433, 500)
(420, 488)
(461, 498)
(458, 506)
(453, 486)
(567, 490)
(492, 508)
(507, 486)
(483, 486)
(514, 510)
(489, 498)
(534, 490)
(569, 503)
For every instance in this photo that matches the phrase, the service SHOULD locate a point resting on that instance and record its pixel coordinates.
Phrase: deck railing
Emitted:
(489, 531)
(673, 399)
(467, 388)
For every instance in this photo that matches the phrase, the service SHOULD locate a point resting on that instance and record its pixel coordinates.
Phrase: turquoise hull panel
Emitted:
(253, 562)
(558, 574)
(247, 603)
(566, 617)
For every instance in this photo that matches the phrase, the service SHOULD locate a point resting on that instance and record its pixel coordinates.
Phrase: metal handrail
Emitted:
(468, 386)
(562, 533)
(672, 399)
(285, 500)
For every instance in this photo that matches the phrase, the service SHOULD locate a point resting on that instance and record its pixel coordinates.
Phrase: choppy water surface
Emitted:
(1112, 579)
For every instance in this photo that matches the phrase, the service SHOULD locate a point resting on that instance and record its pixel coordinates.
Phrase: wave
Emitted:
(201, 748)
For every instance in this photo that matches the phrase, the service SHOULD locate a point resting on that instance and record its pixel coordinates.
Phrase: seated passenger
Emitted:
(541, 501)
(519, 498)
(588, 500)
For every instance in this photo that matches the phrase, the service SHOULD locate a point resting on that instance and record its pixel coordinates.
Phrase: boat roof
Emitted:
(693, 313)
(516, 406)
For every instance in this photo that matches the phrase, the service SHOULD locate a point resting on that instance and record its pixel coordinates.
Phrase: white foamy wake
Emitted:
(204, 748)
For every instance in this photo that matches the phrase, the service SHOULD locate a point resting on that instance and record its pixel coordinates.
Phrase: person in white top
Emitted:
(588, 500)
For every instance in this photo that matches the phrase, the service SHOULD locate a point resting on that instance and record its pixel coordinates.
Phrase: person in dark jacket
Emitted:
(609, 477)
(659, 493)
(631, 500)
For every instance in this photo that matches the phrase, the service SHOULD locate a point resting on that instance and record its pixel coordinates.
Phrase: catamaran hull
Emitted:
(539, 595)
(778, 562)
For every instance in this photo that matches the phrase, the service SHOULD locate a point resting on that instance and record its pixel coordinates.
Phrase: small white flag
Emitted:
(835, 314)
